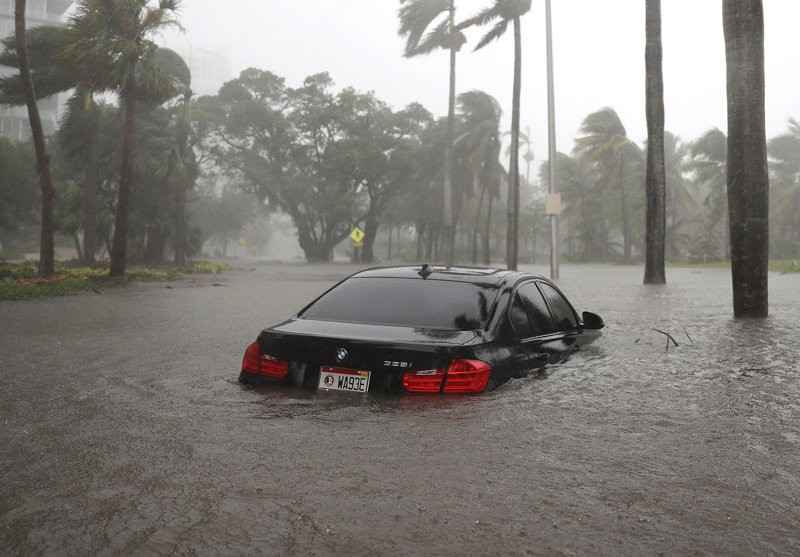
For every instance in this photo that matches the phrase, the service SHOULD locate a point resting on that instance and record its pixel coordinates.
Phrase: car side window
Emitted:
(519, 318)
(564, 314)
(538, 312)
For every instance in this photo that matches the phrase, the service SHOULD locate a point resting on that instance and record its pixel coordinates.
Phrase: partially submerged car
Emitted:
(421, 330)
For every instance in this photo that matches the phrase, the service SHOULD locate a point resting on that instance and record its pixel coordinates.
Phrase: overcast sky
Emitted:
(598, 51)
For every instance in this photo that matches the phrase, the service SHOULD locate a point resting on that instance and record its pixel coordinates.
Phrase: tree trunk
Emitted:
(77, 243)
(389, 254)
(477, 225)
(90, 205)
(46, 245)
(487, 248)
(447, 189)
(119, 249)
(654, 272)
(748, 179)
(626, 228)
(512, 239)
(371, 226)
(181, 185)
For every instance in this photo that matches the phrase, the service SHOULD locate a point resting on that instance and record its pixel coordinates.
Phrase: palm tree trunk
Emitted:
(748, 180)
(654, 272)
(46, 245)
(626, 228)
(487, 257)
(512, 241)
(449, 224)
(90, 205)
(477, 225)
(181, 185)
(119, 248)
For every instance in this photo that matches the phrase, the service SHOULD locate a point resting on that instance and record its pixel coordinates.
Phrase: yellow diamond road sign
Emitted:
(357, 235)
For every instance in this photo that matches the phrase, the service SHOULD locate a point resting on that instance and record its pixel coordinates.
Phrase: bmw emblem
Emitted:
(341, 354)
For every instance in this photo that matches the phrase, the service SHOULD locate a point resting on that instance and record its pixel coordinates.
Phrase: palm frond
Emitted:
(497, 31)
(416, 18)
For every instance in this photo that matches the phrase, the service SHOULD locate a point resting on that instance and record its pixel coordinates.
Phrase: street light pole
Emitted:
(554, 200)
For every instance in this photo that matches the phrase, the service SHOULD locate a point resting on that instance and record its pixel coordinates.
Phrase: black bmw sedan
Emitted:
(421, 330)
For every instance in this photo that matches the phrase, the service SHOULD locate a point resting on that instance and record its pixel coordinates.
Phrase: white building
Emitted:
(14, 120)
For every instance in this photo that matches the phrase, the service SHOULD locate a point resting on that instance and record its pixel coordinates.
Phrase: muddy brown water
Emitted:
(123, 431)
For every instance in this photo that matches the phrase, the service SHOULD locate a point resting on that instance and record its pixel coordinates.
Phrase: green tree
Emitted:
(429, 25)
(18, 189)
(655, 244)
(327, 160)
(51, 75)
(110, 48)
(503, 12)
(46, 247)
(748, 179)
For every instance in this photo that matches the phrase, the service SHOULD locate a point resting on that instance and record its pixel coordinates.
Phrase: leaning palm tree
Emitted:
(428, 25)
(605, 151)
(501, 13)
(110, 48)
(709, 165)
(784, 153)
(480, 146)
(46, 246)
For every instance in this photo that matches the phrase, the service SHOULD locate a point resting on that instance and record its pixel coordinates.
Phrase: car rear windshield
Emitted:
(434, 304)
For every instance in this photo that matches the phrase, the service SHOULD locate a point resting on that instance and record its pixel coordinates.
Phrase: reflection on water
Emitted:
(629, 447)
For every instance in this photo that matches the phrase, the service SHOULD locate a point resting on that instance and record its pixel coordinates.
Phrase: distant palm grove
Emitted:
(163, 172)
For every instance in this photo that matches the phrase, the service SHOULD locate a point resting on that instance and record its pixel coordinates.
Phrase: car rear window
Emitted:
(435, 304)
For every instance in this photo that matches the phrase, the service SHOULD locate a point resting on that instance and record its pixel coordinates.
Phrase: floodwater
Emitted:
(123, 431)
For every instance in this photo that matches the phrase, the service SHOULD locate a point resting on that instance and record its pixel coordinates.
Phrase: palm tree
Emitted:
(428, 25)
(480, 145)
(748, 179)
(604, 151)
(46, 246)
(503, 12)
(709, 164)
(681, 206)
(110, 48)
(784, 151)
(655, 244)
(582, 207)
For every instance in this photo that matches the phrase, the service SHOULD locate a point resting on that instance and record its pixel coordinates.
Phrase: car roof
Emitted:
(477, 275)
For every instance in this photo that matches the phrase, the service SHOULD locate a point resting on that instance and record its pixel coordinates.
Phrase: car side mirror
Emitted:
(592, 320)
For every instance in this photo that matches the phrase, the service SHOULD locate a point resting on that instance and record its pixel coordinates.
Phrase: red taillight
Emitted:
(467, 376)
(463, 376)
(427, 381)
(263, 364)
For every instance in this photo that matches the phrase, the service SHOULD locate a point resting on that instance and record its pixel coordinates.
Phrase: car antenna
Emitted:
(425, 271)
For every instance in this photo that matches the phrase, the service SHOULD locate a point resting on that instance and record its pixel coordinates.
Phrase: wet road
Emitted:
(123, 430)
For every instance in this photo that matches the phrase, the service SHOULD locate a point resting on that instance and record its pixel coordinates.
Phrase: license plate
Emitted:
(341, 379)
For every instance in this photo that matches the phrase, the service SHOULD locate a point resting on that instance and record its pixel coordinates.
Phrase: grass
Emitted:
(20, 282)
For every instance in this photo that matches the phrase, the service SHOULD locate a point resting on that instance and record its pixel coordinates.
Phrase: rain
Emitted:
(271, 150)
